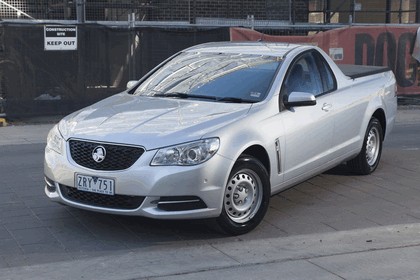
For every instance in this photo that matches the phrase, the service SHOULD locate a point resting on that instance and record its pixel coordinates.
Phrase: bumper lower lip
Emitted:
(151, 207)
(124, 202)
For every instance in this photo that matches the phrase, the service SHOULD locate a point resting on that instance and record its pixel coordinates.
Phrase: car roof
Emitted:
(258, 48)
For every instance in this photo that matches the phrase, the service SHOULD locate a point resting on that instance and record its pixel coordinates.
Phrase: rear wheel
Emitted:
(368, 158)
(246, 196)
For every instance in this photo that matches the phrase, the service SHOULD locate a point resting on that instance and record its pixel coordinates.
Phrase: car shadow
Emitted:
(342, 170)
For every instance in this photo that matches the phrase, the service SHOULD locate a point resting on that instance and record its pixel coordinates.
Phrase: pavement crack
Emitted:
(223, 253)
(325, 269)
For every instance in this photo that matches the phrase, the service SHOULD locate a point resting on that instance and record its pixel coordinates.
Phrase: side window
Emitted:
(329, 83)
(303, 76)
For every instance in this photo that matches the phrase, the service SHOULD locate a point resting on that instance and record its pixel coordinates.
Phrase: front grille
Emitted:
(117, 157)
(117, 201)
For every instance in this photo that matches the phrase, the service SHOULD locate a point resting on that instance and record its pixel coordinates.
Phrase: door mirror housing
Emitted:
(130, 84)
(297, 99)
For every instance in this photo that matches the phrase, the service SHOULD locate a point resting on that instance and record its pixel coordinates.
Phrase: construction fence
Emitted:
(57, 56)
(38, 78)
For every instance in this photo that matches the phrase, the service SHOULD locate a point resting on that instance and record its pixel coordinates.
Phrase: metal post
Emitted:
(327, 8)
(81, 65)
(2, 78)
(290, 11)
(251, 21)
(388, 11)
(131, 46)
(131, 20)
(194, 12)
(400, 13)
(418, 11)
(189, 11)
(81, 11)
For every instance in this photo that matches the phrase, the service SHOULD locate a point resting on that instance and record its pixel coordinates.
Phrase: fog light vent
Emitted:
(50, 184)
(180, 203)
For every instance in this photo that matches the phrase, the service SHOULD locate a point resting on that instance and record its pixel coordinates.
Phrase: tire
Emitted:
(368, 159)
(246, 197)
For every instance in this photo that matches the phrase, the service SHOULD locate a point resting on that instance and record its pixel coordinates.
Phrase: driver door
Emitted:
(308, 130)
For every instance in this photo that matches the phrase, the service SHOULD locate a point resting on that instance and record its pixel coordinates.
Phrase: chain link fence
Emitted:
(269, 13)
(364, 11)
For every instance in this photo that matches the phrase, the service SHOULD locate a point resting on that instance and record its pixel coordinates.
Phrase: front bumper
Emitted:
(162, 192)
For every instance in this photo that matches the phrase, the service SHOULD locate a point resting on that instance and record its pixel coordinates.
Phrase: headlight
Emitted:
(64, 128)
(54, 140)
(187, 154)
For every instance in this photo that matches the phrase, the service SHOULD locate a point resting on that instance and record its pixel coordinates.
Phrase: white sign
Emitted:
(337, 53)
(60, 37)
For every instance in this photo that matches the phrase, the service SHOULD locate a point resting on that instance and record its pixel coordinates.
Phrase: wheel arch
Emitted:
(380, 115)
(259, 152)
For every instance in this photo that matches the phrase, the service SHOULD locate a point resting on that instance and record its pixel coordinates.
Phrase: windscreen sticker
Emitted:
(255, 94)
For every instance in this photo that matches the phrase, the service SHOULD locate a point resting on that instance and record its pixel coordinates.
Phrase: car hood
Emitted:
(149, 121)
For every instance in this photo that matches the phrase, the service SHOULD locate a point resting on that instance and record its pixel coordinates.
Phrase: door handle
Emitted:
(326, 107)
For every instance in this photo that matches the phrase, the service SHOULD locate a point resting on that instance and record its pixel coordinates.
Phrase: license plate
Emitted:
(95, 184)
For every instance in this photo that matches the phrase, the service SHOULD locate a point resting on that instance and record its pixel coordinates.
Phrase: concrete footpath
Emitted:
(391, 252)
(333, 227)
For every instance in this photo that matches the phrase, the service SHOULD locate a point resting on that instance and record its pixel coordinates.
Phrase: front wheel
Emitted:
(368, 158)
(246, 196)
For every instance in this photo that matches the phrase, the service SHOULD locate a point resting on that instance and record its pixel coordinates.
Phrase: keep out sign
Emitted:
(60, 38)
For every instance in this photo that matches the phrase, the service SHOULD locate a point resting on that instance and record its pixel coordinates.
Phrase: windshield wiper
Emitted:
(184, 95)
(172, 94)
(208, 97)
(235, 100)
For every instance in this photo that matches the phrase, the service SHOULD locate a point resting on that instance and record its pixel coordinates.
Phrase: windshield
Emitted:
(213, 76)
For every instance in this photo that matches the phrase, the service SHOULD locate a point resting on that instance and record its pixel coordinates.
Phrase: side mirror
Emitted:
(297, 98)
(130, 84)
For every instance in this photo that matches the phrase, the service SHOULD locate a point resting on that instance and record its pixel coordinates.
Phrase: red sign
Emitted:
(370, 45)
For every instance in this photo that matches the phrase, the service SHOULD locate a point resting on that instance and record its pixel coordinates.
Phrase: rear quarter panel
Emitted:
(355, 105)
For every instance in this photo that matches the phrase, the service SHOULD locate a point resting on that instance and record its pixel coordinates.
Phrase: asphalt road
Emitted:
(307, 231)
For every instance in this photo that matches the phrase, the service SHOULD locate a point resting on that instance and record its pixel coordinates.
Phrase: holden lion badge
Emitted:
(99, 154)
